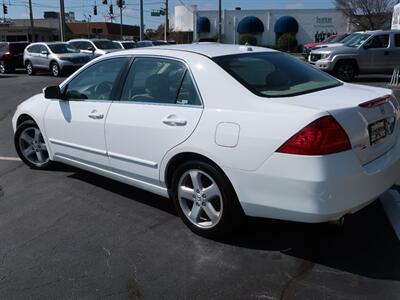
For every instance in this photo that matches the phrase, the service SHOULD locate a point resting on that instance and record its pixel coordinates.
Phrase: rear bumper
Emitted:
(314, 189)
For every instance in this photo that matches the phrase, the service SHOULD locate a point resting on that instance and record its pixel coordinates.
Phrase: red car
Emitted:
(11, 56)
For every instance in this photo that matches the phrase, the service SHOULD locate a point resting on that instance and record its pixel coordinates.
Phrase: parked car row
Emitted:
(60, 57)
(369, 52)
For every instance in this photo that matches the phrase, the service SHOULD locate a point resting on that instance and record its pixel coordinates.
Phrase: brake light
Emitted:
(322, 136)
(375, 102)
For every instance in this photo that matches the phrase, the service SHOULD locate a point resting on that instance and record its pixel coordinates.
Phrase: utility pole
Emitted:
(141, 21)
(220, 21)
(166, 26)
(62, 21)
(31, 22)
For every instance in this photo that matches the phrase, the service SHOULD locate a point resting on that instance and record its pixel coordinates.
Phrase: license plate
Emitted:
(377, 131)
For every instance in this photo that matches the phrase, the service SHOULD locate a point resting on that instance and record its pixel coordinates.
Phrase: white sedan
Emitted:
(223, 130)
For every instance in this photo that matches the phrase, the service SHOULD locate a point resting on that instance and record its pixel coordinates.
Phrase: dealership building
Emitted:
(265, 24)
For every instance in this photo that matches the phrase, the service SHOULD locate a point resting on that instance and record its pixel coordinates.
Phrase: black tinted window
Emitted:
(379, 41)
(397, 40)
(18, 48)
(3, 47)
(275, 74)
(63, 48)
(96, 82)
(129, 45)
(104, 45)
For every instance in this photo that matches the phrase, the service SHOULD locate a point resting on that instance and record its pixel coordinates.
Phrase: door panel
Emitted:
(74, 131)
(75, 126)
(160, 109)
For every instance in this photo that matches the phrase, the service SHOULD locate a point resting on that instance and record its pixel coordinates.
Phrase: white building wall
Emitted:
(309, 20)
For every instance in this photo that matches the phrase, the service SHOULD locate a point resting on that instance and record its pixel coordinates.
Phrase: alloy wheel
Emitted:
(55, 70)
(2, 67)
(200, 199)
(33, 147)
(29, 69)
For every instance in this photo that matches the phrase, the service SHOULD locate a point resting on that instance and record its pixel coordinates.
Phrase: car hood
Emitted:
(328, 46)
(337, 50)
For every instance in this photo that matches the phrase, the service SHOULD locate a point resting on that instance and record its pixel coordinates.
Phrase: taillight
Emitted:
(375, 102)
(7, 55)
(322, 136)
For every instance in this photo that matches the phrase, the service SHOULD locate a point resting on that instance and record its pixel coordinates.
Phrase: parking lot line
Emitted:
(9, 158)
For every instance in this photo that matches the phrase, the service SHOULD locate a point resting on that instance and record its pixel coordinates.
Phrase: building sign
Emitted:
(323, 22)
(396, 17)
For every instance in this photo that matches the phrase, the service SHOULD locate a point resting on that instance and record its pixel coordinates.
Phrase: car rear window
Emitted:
(3, 47)
(275, 74)
(18, 48)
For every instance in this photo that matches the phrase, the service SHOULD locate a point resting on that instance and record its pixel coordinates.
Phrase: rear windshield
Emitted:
(104, 45)
(18, 48)
(275, 74)
(63, 48)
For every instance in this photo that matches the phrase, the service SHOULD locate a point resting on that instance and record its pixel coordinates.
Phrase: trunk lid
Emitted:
(372, 130)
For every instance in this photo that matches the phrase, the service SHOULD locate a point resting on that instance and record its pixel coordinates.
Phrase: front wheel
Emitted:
(3, 67)
(55, 69)
(31, 146)
(205, 199)
(345, 71)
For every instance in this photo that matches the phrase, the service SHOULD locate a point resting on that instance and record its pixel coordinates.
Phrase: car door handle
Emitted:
(172, 120)
(95, 115)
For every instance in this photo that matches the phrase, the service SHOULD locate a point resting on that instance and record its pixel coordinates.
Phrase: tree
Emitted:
(287, 42)
(367, 14)
(248, 39)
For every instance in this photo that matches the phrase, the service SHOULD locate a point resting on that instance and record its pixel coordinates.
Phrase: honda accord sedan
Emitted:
(225, 131)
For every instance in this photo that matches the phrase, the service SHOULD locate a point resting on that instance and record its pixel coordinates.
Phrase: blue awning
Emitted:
(250, 24)
(286, 24)
(203, 24)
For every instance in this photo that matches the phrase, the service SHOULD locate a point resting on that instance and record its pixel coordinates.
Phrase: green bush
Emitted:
(287, 42)
(249, 39)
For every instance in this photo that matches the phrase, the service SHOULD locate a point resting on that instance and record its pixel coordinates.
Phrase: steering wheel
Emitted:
(103, 90)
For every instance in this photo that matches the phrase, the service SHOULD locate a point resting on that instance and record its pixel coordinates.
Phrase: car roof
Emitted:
(212, 49)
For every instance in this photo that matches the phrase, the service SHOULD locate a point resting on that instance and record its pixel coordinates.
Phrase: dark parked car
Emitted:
(11, 56)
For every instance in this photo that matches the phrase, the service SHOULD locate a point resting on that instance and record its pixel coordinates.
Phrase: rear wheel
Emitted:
(345, 71)
(205, 199)
(4, 68)
(29, 68)
(31, 146)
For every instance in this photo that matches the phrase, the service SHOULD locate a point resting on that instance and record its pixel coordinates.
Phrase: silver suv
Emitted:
(96, 47)
(370, 52)
(57, 57)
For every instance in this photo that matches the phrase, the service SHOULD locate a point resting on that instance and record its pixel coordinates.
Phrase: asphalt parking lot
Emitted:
(69, 234)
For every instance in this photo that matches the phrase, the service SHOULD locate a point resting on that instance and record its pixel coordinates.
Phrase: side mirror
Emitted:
(44, 52)
(52, 92)
(91, 49)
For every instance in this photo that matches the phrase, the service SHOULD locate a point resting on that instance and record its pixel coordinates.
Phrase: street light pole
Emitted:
(141, 21)
(166, 21)
(62, 20)
(220, 21)
(31, 22)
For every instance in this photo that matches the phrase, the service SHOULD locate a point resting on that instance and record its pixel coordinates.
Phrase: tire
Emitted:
(29, 68)
(55, 69)
(3, 67)
(216, 211)
(345, 71)
(31, 147)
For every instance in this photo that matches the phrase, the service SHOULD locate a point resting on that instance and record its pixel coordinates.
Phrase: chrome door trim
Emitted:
(78, 147)
(135, 160)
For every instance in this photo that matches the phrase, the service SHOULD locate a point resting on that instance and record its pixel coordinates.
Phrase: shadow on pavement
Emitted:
(366, 245)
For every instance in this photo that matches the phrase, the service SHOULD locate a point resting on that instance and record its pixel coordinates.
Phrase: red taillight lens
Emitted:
(321, 137)
(375, 102)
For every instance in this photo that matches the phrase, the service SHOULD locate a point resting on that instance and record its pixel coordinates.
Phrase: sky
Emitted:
(83, 8)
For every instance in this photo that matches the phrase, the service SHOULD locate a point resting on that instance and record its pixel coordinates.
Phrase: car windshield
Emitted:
(357, 40)
(104, 45)
(339, 38)
(349, 38)
(329, 39)
(129, 45)
(62, 48)
(275, 74)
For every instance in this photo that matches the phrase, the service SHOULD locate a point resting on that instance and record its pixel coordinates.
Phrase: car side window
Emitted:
(42, 48)
(95, 82)
(76, 44)
(154, 80)
(86, 45)
(34, 49)
(378, 42)
(188, 94)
